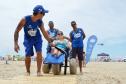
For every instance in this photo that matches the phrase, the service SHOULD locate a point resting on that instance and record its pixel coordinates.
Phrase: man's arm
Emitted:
(70, 35)
(83, 34)
(16, 34)
(45, 33)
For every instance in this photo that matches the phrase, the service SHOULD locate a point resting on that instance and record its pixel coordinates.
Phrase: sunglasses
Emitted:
(42, 13)
(73, 24)
(58, 34)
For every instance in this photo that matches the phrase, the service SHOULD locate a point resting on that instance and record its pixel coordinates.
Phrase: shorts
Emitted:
(30, 43)
(78, 52)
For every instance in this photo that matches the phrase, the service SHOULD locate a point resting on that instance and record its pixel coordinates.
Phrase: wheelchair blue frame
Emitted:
(51, 59)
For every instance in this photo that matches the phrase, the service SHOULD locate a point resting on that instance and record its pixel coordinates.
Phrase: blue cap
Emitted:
(39, 8)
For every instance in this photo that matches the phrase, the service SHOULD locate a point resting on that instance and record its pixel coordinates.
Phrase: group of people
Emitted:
(32, 25)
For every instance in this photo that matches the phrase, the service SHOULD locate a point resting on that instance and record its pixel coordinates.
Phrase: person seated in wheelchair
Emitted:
(60, 45)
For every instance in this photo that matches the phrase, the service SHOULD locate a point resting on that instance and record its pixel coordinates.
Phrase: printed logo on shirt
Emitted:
(77, 35)
(32, 32)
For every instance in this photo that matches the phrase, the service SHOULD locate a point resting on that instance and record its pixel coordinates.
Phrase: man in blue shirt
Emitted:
(52, 33)
(76, 37)
(32, 25)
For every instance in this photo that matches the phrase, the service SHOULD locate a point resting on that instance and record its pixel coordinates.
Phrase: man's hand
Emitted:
(16, 34)
(51, 44)
(16, 48)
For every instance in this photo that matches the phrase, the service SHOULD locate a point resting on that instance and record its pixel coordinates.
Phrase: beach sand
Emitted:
(94, 73)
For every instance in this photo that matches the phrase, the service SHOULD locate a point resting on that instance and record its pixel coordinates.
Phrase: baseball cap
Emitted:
(39, 8)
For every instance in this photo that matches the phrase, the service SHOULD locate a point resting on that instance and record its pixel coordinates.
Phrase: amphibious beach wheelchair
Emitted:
(57, 62)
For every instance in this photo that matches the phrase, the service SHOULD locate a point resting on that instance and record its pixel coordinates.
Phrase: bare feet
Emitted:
(39, 74)
(81, 73)
(84, 65)
(27, 74)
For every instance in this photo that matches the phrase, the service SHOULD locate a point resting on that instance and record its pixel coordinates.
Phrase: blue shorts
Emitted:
(30, 43)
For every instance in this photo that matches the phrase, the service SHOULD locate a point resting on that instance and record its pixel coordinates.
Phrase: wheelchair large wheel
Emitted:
(73, 66)
(46, 68)
(56, 69)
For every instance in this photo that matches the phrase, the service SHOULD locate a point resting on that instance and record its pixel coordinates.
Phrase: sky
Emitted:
(103, 18)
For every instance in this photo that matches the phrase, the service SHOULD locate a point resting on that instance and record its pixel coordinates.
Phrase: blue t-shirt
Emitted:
(52, 32)
(77, 37)
(31, 29)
